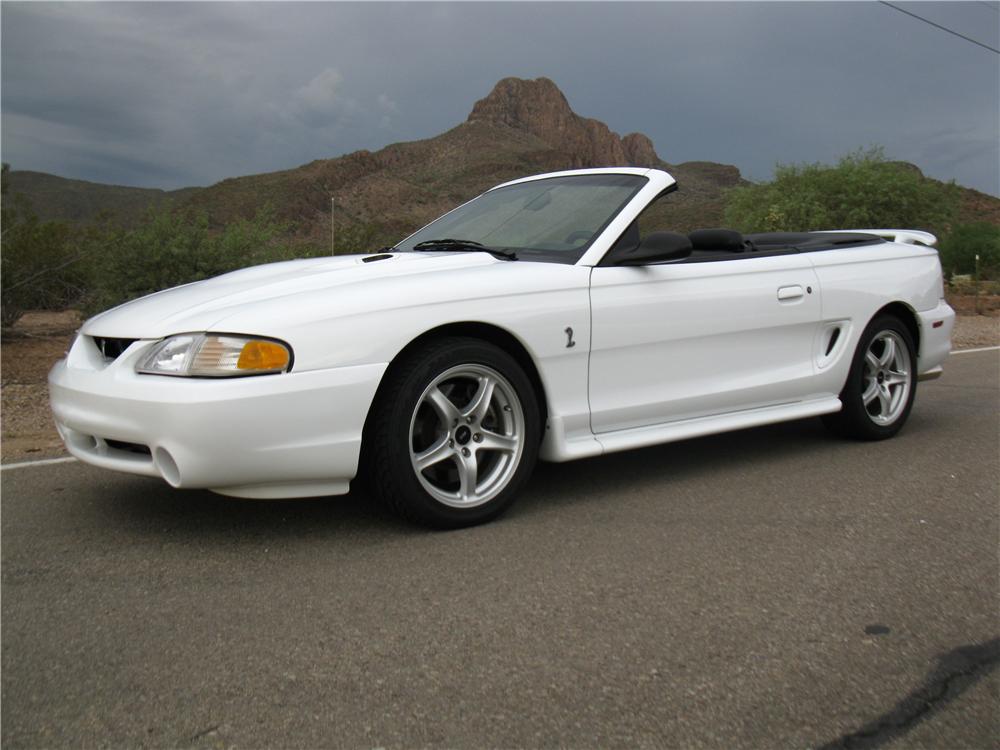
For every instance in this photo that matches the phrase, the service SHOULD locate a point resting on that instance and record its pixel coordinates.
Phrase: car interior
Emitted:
(638, 247)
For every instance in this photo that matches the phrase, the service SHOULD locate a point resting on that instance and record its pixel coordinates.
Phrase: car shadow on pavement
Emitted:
(593, 479)
(150, 506)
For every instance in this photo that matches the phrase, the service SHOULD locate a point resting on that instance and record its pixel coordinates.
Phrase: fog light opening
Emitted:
(80, 441)
(167, 467)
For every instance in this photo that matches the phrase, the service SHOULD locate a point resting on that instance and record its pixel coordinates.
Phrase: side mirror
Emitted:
(656, 247)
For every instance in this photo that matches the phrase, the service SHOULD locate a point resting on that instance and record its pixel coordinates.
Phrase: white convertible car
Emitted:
(549, 317)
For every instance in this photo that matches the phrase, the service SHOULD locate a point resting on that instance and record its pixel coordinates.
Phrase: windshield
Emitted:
(555, 219)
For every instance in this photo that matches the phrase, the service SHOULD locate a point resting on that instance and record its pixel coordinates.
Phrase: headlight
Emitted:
(211, 355)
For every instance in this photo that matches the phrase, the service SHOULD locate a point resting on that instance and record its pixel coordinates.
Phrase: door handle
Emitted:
(788, 293)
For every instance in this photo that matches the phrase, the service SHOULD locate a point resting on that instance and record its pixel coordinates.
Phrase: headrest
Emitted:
(725, 240)
(666, 242)
(630, 238)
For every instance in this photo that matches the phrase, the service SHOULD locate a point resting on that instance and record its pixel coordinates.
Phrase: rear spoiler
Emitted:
(902, 236)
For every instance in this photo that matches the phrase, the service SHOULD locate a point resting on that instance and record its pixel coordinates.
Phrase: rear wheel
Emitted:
(880, 387)
(454, 434)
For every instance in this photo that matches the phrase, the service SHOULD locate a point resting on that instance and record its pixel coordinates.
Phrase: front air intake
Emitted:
(111, 349)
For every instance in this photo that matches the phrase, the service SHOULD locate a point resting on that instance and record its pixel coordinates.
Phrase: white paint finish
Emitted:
(655, 174)
(292, 289)
(679, 350)
(302, 427)
(935, 343)
(856, 282)
(372, 322)
(287, 491)
(682, 340)
(789, 293)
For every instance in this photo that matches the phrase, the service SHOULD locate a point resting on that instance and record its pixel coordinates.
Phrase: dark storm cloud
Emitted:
(174, 94)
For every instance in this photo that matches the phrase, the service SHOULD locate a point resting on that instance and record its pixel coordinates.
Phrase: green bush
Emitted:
(959, 249)
(356, 238)
(53, 265)
(170, 249)
(40, 265)
(863, 191)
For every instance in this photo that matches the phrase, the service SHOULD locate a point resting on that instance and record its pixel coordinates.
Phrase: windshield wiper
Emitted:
(463, 246)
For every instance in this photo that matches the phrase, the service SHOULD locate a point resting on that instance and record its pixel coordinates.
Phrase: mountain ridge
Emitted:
(521, 127)
(55, 198)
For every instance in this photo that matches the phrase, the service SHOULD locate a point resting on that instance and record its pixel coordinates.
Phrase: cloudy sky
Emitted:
(175, 94)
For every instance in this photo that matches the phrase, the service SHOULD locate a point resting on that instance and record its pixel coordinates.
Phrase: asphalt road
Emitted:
(770, 588)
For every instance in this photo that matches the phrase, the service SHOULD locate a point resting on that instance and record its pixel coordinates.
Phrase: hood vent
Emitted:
(374, 258)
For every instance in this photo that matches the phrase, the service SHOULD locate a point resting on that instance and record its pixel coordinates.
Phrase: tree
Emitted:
(863, 191)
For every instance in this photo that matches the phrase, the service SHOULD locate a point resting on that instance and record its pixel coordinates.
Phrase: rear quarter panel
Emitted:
(857, 282)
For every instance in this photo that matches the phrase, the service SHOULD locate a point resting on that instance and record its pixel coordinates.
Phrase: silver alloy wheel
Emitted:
(466, 435)
(887, 378)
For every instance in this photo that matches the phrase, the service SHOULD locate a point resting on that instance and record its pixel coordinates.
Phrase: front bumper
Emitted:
(296, 434)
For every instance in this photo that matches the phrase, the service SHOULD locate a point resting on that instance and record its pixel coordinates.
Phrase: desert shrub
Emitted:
(358, 237)
(959, 249)
(172, 248)
(40, 264)
(55, 265)
(863, 190)
(41, 267)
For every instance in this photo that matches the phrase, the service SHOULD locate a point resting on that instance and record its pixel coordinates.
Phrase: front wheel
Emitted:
(454, 434)
(880, 387)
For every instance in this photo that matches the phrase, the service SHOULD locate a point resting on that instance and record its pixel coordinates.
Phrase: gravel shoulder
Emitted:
(41, 338)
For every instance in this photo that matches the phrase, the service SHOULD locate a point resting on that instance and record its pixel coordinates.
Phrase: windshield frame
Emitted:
(562, 256)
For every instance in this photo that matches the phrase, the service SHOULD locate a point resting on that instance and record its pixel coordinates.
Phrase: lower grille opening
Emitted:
(112, 348)
(120, 445)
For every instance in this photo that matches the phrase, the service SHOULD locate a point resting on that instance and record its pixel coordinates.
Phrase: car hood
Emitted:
(205, 305)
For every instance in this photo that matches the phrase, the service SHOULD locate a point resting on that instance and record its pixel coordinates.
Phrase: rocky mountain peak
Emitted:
(536, 105)
(540, 108)
(639, 150)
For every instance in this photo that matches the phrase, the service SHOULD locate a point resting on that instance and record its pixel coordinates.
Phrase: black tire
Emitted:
(856, 419)
(400, 415)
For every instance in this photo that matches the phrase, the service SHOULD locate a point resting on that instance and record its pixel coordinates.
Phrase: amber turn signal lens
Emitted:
(262, 355)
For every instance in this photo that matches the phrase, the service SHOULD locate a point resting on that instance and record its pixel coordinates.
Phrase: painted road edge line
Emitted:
(40, 462)
(980, 349)
(69, 459)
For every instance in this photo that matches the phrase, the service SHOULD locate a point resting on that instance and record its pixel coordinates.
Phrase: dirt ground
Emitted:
(27, 354)
(38, 339)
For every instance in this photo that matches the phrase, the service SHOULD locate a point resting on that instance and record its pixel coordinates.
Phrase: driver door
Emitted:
(689, 339)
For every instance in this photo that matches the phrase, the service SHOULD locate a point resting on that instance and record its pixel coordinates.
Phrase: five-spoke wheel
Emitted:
(454, 433)
(887, 376)
(881, 384)
(466, 435)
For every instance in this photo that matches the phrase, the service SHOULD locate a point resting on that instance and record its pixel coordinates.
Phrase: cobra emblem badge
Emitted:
(570, 343)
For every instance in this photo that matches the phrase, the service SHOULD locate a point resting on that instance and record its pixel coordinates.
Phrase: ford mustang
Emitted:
(551, 317)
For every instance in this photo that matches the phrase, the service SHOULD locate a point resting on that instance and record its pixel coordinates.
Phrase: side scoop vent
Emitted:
(834, 335)
(831, 343)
